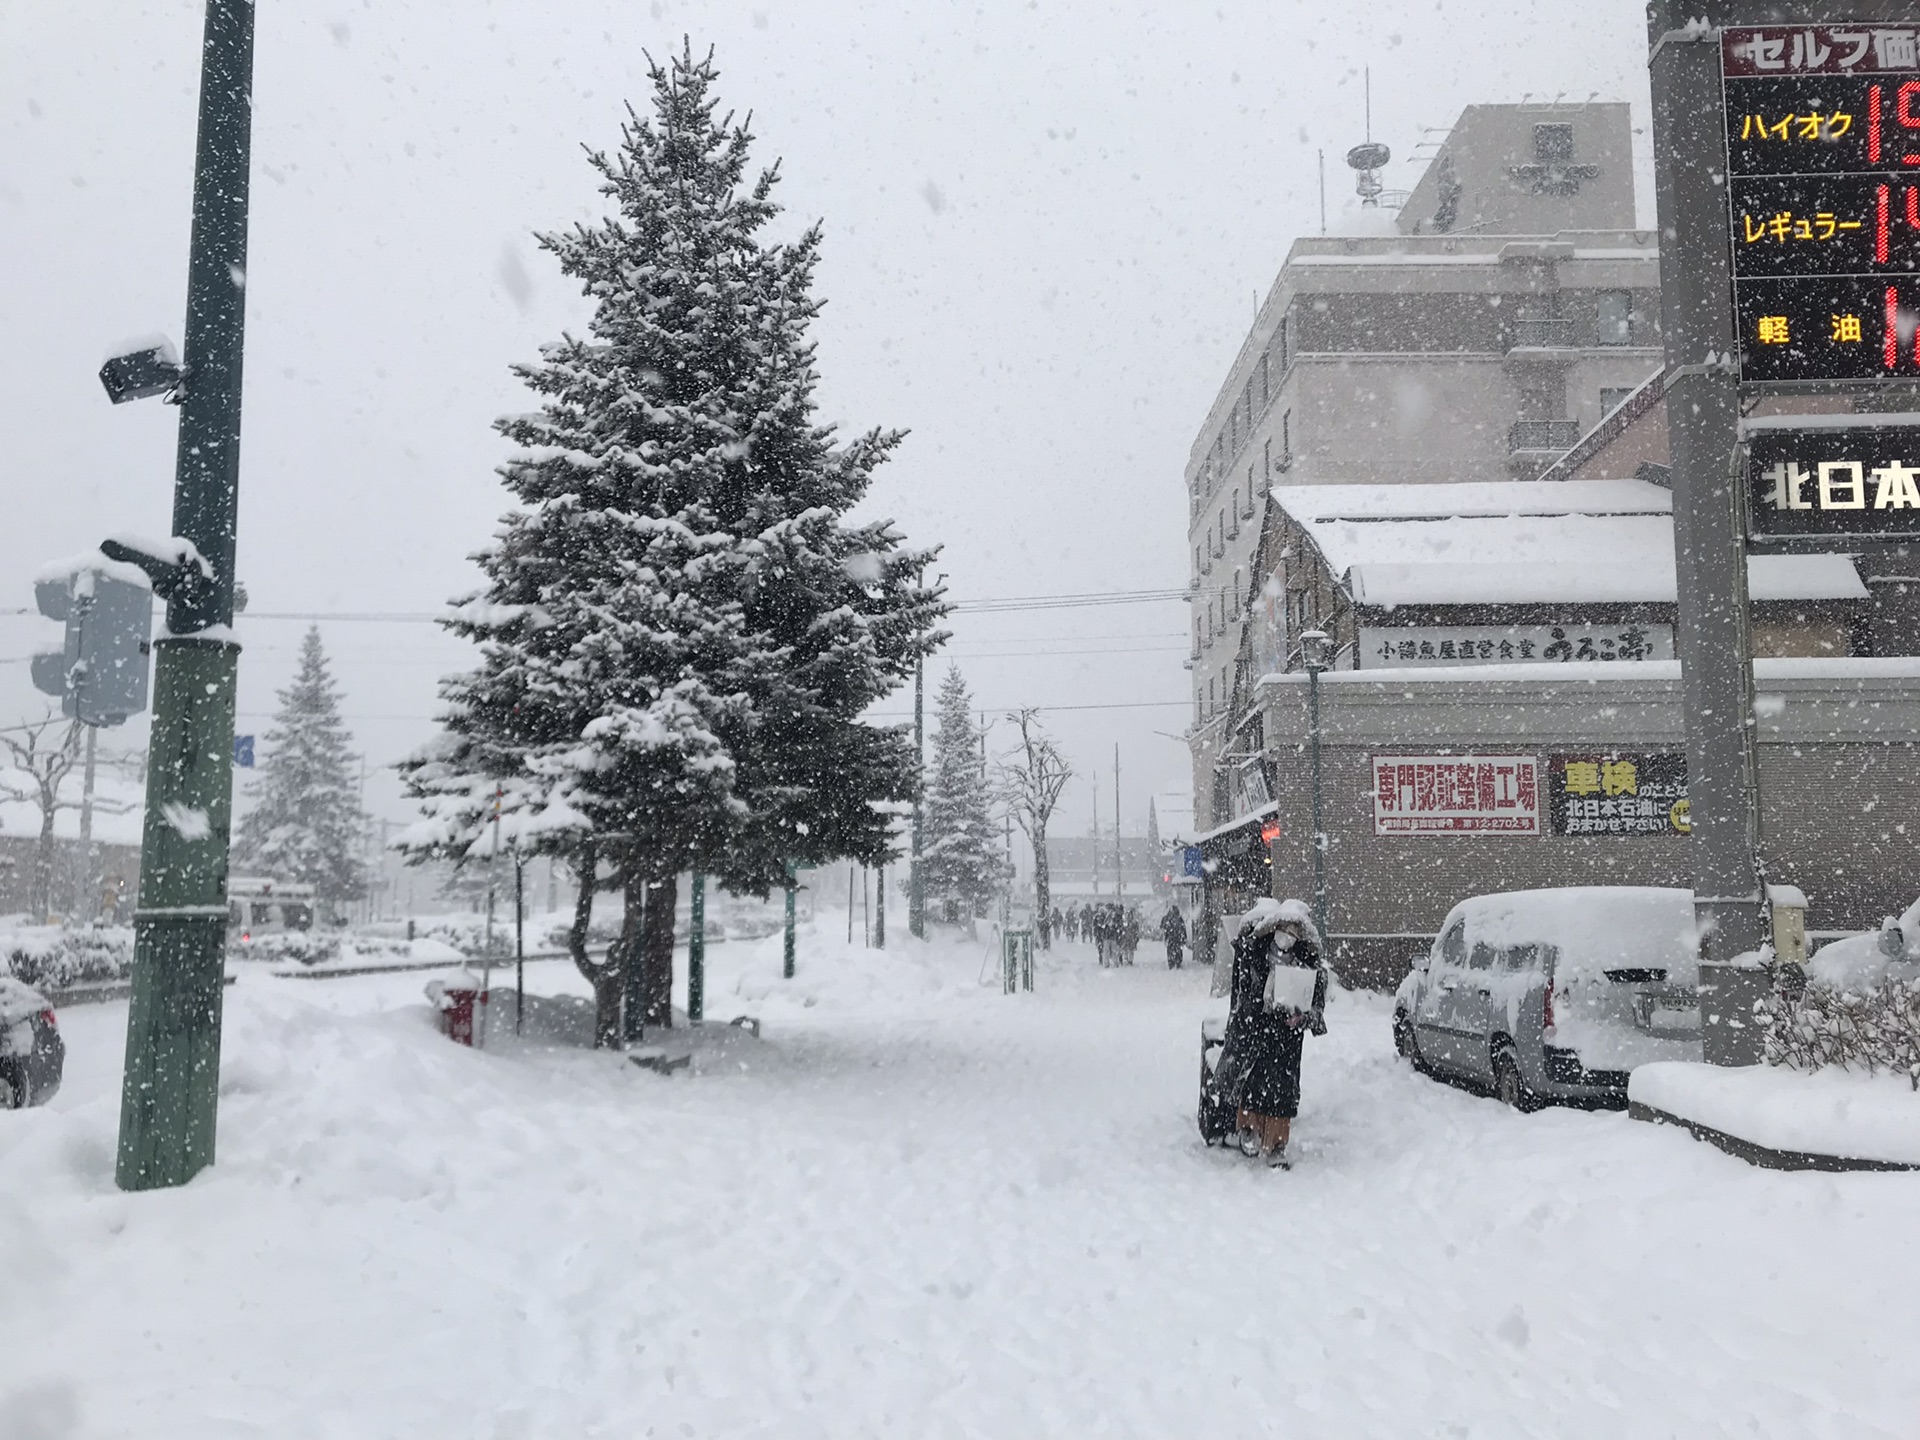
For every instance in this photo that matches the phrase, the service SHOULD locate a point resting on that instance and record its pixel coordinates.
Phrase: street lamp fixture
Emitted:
(1314, 649)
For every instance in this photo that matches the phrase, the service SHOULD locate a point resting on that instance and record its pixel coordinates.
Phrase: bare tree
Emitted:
(42, 754)
(1033, 777)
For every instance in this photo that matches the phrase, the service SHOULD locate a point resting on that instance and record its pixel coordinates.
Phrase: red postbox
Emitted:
(461, 1002)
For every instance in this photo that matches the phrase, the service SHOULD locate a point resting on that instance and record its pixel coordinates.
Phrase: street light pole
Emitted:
(170, 1094)
(1314, 654)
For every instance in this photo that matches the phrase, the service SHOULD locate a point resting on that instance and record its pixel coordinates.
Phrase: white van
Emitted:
(1543, 995)
(258, 907)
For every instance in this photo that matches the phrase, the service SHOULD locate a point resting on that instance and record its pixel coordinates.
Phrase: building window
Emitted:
(1239, 588)
(1280, 344)
(1611, 399)
(1266, 465)
(1266, 393)
(1286, 439)
(1196, 562)
(1553, 142)
(1613, 318)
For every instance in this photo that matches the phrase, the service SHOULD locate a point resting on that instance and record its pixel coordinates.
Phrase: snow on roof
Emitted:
(1523, 542)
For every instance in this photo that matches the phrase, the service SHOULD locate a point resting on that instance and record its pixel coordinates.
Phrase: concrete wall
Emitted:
(1839, 782)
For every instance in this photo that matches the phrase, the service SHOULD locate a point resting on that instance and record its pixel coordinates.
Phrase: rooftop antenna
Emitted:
(1367, 159)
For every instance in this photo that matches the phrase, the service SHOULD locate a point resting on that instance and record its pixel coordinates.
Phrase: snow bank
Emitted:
(1857, 1117)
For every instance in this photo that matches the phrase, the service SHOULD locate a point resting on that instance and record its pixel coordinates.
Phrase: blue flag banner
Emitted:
(243, 751)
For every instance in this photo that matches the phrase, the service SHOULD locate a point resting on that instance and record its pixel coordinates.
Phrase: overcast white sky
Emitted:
(1046, 228)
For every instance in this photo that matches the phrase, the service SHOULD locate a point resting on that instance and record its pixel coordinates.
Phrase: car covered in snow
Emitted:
(32, 1055)
(1555, 995)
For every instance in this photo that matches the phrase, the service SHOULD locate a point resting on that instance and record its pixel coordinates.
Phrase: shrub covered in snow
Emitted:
(306, 947)
(50, 957)
(1855, 1006)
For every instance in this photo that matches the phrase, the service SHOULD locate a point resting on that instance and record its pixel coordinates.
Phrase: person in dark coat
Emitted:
(1129, 926)
(1173, 930)
(1269, 1039)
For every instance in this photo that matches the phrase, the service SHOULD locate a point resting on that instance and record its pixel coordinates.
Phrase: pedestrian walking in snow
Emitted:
(1129, 934)
(1173, 930)
(1279, 994)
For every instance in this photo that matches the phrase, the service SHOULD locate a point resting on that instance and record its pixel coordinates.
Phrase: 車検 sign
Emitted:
(1456, 795)
(1823, 195)
(1615, 794)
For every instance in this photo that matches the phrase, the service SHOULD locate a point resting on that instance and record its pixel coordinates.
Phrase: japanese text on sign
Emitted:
(1456, 795)
(1618, 795)
(1839, 481)
(1392, 647)
(1823, 150)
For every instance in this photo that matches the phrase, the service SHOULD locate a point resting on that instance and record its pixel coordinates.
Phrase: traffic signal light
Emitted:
(100, 673)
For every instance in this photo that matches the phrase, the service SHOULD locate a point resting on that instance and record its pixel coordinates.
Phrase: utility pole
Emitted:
(916, 879)
(170, 1094)
(1119, 864)
(89, 906)
(697, 951)
(1703, 422)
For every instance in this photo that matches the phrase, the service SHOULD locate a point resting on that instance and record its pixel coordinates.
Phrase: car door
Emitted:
(1470, 1013)
(1430, 1016)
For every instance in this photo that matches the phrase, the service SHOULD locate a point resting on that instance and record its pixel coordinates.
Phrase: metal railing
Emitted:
(1555, 435)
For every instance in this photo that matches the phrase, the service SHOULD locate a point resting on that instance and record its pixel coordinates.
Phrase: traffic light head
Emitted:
(101, 671)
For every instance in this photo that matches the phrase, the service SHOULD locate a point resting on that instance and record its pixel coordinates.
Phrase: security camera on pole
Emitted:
(171, 1087)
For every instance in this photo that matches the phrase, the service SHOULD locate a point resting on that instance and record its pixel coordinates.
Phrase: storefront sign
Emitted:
(1616, 794)
(1456, 795)
(1830, 479)
(1399, 647)
(1823, 134)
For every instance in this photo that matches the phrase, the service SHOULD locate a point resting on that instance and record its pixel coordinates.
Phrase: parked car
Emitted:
(1555, 995)
(32, 1055)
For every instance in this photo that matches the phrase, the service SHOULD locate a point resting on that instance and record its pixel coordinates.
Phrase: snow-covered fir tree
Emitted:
(306, 823)
(679, 629)
(961, 850)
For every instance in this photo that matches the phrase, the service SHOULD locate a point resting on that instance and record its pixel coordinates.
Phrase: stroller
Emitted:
(1222, 1077)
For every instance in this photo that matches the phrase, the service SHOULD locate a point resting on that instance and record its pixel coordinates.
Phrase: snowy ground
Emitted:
(916, 1207)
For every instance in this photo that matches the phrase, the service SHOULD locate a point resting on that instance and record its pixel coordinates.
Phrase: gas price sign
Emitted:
(1823, 160)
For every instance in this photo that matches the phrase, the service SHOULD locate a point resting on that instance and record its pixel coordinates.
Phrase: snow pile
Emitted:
(1857, 1117)
(833, 973)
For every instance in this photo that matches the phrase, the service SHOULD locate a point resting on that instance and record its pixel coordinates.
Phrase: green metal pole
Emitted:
(786, 968)
(169, 1098)
(697, 951)
(1319, 829)
(880, 909)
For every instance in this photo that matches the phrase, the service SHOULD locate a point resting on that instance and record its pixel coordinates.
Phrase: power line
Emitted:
(999, 604)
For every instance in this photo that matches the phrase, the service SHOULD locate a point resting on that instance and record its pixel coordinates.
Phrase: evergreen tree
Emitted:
(960, 851)
(678, 629)
(306, 824)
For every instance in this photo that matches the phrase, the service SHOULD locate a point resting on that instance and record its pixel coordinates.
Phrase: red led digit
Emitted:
(1892, 347)
(1873, 123)
(1880, 225)
(1903, 112)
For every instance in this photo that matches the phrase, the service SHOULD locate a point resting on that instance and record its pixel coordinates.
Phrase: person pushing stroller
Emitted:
(1278, 995)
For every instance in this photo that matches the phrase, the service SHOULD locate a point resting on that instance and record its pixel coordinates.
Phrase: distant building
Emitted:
(1509, 305)
(1081, 868)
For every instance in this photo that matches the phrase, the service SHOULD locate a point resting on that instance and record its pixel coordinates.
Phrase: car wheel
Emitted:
(1405, 1043)
(16, 1090)
(1509, 1086)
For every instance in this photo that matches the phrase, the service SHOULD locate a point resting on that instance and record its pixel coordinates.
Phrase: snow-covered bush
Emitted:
(49, 957)
(1855, 1006)
(305, 947)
